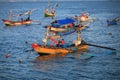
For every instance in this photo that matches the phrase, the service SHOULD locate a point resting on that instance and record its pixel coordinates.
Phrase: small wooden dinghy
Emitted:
(49, 14)
(113, 22)
(65, 25)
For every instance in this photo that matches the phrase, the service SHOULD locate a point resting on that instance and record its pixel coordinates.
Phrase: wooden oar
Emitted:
(100, 46)
(29, 50)
(29, 55)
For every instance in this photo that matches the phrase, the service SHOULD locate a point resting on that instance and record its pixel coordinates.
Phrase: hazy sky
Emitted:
(45, 0)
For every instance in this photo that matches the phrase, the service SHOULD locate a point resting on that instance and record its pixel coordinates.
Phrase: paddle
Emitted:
(29, 55)
(29, 50)
(100, 46)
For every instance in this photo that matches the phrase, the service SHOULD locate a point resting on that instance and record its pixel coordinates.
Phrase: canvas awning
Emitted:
(65, 21)
(60, 22)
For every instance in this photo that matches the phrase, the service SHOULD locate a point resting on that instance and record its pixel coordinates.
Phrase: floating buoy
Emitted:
(110, 33)
(20, 60)
(7, 55)
(112, 37)
(26, 42)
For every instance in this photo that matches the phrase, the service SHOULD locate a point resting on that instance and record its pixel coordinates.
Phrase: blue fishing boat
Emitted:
(113, 22)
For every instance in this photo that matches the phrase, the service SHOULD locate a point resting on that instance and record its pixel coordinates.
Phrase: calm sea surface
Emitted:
(104, 65)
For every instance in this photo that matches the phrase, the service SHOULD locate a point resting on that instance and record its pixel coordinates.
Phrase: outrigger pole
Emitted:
(10, 15)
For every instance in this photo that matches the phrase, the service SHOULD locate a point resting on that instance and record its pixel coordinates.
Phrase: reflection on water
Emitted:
(55, 56)
(47, 62)
(55, 61)
(49, 57)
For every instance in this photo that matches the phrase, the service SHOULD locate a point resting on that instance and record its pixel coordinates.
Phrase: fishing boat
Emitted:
(77, 45)
(19, 22)
(65, 25)
(84, 17)
(50, 12)
(61, 25)
(56, 50)
(113, 22)
(16, 23)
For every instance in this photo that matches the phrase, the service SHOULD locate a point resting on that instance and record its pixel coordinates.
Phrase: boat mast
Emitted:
(46, 37)
(10, 15)
(79, 37)
(48, 5)
(18, 17)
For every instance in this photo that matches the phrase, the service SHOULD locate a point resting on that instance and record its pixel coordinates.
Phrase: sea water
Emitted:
(22, 65)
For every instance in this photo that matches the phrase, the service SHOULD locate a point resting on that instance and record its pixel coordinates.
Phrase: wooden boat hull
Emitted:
(15, 23)
(55, 50)
(58, 29)
(49, 15)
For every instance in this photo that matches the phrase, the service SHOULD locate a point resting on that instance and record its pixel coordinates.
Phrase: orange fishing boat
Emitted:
(56, 50)
(61, 46)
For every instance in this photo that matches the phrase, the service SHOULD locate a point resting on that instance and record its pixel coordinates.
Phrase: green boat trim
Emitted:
(48, 14)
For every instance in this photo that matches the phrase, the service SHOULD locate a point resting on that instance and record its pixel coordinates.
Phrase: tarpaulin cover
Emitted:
(65, 21)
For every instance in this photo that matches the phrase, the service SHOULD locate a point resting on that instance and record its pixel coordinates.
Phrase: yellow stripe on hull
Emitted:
(49, 14)
(43, 50)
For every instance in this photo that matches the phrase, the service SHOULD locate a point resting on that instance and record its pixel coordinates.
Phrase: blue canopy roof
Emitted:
(65, 21)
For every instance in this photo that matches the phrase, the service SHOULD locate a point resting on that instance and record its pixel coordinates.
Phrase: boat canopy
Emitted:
(65, 21)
